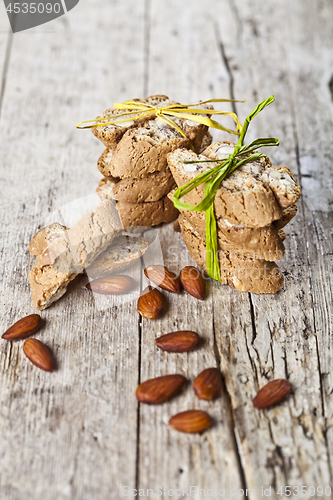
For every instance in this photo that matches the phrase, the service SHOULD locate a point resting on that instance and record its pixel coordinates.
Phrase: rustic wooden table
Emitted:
(79, 433)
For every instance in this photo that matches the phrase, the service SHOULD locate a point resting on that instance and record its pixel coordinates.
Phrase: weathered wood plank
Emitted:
(75, 434)
(5, 48)
(281, 341)
(71, 434)
(178, 59)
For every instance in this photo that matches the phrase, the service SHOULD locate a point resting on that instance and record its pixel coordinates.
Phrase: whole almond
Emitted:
(39, 354)
(112, 285)
(193, 282)
(191, 421)
(162, 277)
(178, 341)
(159, 389)
(151, 303)
(272, 393)
(23, 328)
(208, 384)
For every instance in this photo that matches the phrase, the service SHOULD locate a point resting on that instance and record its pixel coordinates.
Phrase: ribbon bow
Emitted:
(213, 178)
(188, 112)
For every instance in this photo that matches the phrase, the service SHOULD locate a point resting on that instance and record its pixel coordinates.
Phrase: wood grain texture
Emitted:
(79, 432)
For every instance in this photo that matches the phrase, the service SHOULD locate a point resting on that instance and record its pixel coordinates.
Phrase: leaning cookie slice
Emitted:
(66, 256)
(122, 253)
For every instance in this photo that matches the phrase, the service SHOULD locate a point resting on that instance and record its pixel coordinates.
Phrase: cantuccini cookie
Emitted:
(150, 188)
(244, 274)
(281, 180)
(257, 243)
(110, 135)
(146, 214)
(244, 197)
(66, 256)
(41, 240)
(123, 252)
(105, 188)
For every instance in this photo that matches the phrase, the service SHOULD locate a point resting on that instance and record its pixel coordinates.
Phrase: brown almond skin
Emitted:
(39, 354)
(193, 282)
(159, 389)
(272, 393)
(151, 303)
(191, 421)
(183, 341)
(23, 328)
(112, 285)
(208, 384)
(162, 277)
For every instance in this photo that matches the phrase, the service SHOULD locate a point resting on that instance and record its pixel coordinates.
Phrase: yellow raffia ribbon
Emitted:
(188, 112)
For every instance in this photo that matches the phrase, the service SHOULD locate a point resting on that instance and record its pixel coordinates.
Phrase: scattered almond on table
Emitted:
(151, 303)
(183, 341)
(193, 282)
(23, 328)
(208, 384)
(39, 354)
(162, 277)
(112, 285)
(159, 389)
(191, 421)
(272, 393)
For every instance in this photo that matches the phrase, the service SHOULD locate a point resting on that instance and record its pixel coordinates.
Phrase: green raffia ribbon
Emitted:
(213, 178)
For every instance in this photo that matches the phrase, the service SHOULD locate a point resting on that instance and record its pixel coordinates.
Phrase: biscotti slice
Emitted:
(41, 240)
(287, 214)
(104, 162)
(123, 252)
(206, 141)
(143, 150)
(258, 243)
(280, 180)
(148, 189)
(242, 199)
(105, 188)
(244, 274)
(110, 135)
(146, 214)
(69, 255)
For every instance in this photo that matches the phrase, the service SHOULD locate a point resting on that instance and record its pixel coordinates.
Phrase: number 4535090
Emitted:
(301, 491)
(33, 8)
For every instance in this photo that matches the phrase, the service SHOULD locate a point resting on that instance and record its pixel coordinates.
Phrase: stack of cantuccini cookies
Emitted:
(251, 207)
(134, 163)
